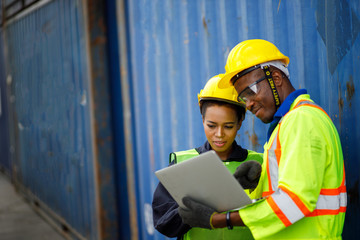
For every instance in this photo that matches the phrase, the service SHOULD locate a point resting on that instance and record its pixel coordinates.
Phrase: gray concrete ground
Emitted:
(18, 220)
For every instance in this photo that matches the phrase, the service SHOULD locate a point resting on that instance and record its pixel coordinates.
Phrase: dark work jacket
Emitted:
(165, 209)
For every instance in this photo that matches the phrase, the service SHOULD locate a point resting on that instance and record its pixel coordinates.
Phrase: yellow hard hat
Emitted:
(248, 54)
(211, 91)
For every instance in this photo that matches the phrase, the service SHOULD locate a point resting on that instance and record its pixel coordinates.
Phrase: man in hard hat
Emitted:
(303, 178)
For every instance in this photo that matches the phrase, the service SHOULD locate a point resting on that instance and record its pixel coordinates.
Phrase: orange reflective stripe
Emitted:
(278, 147)
(267, 193)
(268, 168)
(278, 211)
(297, 201)
(310, 104)
(343, 180)
(322, 212)
(333, 191)
(272, 167)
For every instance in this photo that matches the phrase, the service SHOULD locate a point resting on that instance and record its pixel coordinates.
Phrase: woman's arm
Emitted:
(165, 214)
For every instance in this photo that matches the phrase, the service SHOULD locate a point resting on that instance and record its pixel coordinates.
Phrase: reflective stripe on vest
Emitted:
(273, 166)
(288, 206)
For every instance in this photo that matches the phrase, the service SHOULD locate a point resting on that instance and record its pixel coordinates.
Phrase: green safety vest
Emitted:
(302, 179)
(242, 233)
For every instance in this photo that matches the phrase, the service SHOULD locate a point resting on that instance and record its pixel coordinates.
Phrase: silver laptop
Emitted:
(205, 179)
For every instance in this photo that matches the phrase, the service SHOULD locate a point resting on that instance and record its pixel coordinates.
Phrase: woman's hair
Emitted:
(240, 111)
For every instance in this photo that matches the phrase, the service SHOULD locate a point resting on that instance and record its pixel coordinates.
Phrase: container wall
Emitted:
(5, 161)
(109, 160)
(176, 46)
(47, 69)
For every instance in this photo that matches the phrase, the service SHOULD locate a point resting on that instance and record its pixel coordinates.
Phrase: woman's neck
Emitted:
(226, 154)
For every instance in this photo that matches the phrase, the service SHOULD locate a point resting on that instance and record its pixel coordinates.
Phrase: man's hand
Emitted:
(196, 214)
(248, 174)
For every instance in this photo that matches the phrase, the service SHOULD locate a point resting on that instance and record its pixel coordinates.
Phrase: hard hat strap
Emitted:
(242, 73)
(270, 79)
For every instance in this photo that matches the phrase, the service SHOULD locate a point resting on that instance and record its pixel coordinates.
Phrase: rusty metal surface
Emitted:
(123, 127)
(104, 130)
(50, 97)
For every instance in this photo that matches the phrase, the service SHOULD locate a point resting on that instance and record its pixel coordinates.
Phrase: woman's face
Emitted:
(221, 126)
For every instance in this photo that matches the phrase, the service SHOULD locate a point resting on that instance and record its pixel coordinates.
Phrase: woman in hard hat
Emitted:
(222, 117)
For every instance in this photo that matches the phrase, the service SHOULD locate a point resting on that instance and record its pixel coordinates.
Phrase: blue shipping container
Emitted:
(50, 97)
(174, 47)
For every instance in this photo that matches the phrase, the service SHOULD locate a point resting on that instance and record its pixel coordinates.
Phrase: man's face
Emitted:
(261, 104)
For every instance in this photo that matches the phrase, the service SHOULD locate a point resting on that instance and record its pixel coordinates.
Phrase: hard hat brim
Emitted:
(240, 104)
(225, 81)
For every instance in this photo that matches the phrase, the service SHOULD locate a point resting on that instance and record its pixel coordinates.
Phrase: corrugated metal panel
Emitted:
(104, 131)
(47, 63)
(5, 162)
(118, 65)
(176, 46)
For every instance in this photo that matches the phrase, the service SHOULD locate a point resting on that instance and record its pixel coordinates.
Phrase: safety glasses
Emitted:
(250, 91)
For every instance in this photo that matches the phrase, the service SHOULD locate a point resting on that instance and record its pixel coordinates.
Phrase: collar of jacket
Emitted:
(239, 154)
(284, 109)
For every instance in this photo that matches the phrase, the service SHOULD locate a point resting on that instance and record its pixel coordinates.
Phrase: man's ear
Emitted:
(278, 77)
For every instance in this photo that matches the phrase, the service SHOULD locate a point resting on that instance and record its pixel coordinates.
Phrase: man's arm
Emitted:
(219, 220)
(199, 215)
